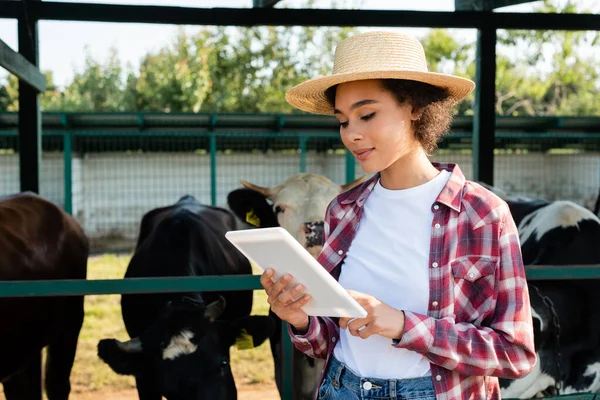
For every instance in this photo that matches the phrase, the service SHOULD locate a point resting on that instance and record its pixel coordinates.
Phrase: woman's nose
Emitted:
(353, 134)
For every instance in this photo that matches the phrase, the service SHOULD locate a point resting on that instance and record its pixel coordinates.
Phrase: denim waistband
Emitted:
(412, 388)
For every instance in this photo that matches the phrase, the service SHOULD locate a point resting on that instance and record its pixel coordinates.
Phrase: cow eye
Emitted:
(278, 209)
(224, 363)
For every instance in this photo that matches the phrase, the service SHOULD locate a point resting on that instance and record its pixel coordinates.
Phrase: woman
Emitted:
(433, 258)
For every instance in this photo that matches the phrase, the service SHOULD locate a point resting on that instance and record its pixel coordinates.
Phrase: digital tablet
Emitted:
(275, 248)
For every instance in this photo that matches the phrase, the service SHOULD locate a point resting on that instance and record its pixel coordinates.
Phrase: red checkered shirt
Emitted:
(478, 325)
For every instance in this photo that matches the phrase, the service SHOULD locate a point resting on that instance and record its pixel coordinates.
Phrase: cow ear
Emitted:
(254, 330)
(252, 207)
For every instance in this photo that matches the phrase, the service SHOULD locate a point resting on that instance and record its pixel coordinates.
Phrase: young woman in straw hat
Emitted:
(433, 258)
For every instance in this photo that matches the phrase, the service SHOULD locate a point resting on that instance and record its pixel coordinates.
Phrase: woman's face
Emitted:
(373, 126)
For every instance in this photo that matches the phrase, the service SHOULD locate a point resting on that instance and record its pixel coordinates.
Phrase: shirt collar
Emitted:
(451, 194)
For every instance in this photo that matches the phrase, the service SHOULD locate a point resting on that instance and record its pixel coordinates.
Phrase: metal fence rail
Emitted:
(243, 282)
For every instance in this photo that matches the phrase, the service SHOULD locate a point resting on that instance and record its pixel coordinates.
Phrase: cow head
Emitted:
(187, 349)
(298, 205)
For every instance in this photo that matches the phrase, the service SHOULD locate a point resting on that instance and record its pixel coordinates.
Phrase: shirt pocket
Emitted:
(474, 286)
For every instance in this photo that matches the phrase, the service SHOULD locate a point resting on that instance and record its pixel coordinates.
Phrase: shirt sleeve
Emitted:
(322, 332)
(504, 347)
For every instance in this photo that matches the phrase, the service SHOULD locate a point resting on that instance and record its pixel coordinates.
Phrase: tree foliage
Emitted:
(248, 70)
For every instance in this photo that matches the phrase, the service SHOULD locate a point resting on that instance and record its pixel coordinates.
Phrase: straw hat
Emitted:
(374, 55)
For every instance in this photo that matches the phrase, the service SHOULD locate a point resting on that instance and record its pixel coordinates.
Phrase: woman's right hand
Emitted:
(281, 299)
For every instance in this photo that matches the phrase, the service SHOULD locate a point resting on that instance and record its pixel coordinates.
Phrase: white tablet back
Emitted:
(275, 248)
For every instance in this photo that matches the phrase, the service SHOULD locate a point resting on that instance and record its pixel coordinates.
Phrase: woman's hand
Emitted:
(381, 319)
(281, 298)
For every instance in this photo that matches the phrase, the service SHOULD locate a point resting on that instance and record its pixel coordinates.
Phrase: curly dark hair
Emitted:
(433, 103)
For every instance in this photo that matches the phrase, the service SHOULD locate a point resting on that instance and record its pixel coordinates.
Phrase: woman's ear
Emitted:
(415, 114)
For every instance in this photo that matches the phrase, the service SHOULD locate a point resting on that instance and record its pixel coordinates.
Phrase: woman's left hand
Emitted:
(381, 319)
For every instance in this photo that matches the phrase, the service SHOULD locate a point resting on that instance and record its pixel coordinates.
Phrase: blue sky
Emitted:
(62, 44)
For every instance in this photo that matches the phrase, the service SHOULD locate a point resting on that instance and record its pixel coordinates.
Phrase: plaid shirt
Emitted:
(478, 324)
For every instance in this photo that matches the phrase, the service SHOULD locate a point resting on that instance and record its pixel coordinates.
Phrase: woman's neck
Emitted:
(411, 170)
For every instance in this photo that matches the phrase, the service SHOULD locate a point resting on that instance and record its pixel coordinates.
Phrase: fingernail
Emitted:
(299, 287)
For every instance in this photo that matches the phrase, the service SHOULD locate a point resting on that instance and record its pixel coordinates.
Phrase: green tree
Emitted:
(175, 79)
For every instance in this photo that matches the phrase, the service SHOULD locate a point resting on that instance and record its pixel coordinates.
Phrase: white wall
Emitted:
(112, 191)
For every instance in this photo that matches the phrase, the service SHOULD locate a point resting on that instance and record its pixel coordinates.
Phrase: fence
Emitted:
(107, 178)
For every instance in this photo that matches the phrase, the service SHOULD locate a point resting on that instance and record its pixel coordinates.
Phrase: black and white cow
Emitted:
(559, 233)
(298, 205)
(180, 341)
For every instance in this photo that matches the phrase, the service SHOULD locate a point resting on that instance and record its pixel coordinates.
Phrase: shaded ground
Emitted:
(251, 392)
(254, 392)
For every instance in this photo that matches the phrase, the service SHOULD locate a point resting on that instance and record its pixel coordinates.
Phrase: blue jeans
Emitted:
(341, 383)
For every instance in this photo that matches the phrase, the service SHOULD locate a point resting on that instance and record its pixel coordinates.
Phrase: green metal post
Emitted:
(287, 373)
(68, 171)
(213, 169)
(350, 175)
(303, 141)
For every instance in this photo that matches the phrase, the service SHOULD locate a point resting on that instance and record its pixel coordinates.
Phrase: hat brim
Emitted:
(310, 95)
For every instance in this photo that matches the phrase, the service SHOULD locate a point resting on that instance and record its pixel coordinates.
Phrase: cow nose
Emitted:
(314, 233)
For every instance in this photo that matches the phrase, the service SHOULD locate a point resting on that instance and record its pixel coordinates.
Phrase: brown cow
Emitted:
(39, 241)
(298, 205)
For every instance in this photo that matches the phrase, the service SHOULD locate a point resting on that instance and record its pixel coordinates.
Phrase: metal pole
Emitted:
(68, 171)
(484, 121)
(350, 167)
(30, 118)
(213, 169)
(287, 373)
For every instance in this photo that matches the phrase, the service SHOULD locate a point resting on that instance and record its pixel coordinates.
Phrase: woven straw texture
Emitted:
(374, 55)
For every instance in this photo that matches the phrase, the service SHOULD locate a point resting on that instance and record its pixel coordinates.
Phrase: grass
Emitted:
(103, 320)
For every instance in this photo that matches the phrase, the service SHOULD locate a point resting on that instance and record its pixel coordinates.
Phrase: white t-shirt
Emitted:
(388, 259)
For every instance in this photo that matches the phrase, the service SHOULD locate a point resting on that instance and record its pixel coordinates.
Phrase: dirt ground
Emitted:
(254, 392)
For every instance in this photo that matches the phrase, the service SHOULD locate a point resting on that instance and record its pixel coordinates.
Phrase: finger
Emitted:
(279, 285)
(287, 296)
(361, 298)
(358, 323)
(296, 305)
(369, 330)
(266, 279)
(343, 322)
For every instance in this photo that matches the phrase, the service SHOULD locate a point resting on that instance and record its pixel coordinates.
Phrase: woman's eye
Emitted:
(368, 117)
(278, 209)
(344, 124)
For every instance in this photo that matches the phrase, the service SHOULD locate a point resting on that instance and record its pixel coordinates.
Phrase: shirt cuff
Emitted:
(305, 339)
(418, 334)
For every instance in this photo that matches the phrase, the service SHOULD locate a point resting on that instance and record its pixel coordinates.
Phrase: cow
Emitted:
(298, 205)
(566, 317)
(180, 342)
(39, 241)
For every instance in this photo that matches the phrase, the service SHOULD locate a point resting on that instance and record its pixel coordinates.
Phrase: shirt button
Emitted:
(437, 225)
(434, 265)
(340, 252)
(471, 275)
(438, 378)
(435, 207)
(435, 303)
(367, 385)
(333, 339)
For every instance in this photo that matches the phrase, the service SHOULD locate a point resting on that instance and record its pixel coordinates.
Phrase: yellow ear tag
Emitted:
(244, 341)
(252, 219)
